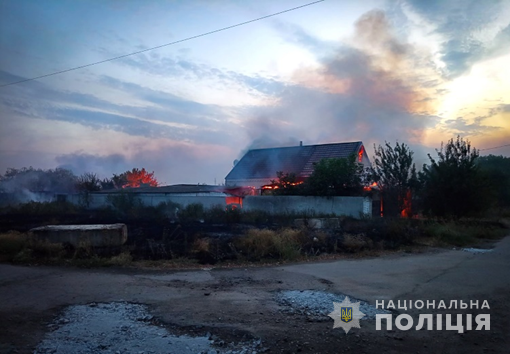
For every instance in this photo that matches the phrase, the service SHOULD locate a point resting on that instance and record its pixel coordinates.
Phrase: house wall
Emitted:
(98, 200)
(256, 182)
(349, 206)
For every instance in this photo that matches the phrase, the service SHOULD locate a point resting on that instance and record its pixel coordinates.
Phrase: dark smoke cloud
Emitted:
(103, 166)
(171, 164)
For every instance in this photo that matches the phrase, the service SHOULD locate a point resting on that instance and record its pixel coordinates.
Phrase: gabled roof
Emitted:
(183, 189)
(264, 163)
(176, 188)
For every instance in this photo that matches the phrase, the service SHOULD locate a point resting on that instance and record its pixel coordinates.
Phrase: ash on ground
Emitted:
(318, 304)
(125, 328)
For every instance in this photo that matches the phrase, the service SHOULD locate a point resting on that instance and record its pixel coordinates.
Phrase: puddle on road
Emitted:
(318, 304)
(123, 328)
(477, 250)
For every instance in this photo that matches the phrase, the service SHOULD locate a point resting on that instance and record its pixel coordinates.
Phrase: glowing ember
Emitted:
(406, 205)
(370, 187)
(276, 186)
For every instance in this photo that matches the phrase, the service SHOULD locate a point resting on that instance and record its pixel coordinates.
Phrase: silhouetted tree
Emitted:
(107, 183)
(88, 182)
(336, 177)
(135, 178)
(454, 186)
(395, 175)
(287, 184)
(497, 171)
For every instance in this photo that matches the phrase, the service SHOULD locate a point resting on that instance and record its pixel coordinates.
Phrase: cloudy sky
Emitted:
(418, 72)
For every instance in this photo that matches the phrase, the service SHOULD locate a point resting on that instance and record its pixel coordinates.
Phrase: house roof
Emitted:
(183, 189)
(264, 163)
(177, 188)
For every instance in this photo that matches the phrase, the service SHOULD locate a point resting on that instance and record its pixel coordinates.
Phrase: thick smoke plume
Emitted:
(373, 89)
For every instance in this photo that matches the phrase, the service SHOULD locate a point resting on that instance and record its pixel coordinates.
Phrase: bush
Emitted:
(256, 217)
(216, 214)
(454, 187)
(45, 249)
(356, 243)
(35, 249)
(201, 245)
(12, 242)
(122, 259)
(204, 251)
(463, 234)
(192, 212)
(258, 244)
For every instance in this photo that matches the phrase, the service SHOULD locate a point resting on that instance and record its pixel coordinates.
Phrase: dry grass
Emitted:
(26, 248)
(462, 235)
(123, 259)
(201, 245)
(259, 244)
(356, 243)
(12, 242)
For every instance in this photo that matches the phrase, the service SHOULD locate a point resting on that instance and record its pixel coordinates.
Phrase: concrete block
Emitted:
(97, 236)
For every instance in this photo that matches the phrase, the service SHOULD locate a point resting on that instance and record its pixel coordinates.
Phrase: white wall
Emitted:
(351, 206)
(98, 200)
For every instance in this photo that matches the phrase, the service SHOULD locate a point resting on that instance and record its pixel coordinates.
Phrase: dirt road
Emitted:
(241, 305)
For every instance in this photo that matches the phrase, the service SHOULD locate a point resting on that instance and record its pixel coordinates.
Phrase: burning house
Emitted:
(258, 167)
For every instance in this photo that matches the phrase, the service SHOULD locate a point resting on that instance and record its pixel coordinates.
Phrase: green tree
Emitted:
(454, 186)
(336, 177)
(395, 175)
(286, 184)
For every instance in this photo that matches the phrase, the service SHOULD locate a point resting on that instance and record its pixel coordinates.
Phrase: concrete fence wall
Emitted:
(351, 206)
(98, 200)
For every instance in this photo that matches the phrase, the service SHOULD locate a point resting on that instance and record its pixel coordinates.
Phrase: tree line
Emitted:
(457, 183)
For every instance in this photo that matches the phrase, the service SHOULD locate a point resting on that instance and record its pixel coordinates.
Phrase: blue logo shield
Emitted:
(346, 314)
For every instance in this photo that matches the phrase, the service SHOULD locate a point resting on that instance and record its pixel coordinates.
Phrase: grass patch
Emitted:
(258, 244)
(12, 242)
(356, 243)
(24, 248)
(463, 234)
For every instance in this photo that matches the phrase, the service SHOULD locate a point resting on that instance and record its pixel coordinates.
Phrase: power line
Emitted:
(163, 45)
(496, 147)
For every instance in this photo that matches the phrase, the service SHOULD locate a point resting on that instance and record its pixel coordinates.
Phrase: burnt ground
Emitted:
(240, 306)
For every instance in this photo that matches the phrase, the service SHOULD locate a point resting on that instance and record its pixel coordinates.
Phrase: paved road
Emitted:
(453, 274)
(242, 300)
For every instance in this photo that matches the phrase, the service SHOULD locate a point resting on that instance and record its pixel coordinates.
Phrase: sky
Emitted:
(417, 72)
